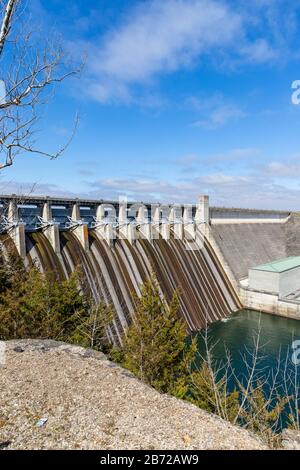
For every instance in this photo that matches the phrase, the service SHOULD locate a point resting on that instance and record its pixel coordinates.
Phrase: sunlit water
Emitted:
(236, 336)
(237, 332)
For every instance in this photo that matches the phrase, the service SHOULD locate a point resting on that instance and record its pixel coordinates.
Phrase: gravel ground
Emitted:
(91, 403)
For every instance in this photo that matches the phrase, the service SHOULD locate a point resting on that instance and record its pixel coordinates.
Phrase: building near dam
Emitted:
(221, 259)
(260, 252)
(279, 277)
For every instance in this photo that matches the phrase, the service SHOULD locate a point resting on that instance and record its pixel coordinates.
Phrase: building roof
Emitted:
(280, 265)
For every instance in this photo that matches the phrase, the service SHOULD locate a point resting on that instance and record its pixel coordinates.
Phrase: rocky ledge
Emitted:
(57, 396)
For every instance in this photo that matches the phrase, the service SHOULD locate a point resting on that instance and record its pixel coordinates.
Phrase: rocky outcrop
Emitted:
(290, 439)
(57, 396)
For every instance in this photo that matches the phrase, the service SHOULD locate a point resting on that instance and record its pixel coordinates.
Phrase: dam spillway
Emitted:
(204, 252)
(115, 273)
(118, 248)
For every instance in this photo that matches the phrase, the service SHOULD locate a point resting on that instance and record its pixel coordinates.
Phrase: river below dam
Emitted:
(237, 332)
(236, 336)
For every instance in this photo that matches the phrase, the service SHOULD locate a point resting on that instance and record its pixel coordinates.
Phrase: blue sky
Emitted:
(178, 98)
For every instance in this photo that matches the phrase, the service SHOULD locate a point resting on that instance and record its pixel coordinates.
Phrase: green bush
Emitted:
(37, 305)
(155, 347)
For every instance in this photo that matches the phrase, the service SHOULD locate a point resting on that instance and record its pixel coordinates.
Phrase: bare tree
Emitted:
(262, 399)
(30, 67)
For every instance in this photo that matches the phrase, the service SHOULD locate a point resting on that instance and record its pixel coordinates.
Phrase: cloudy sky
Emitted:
(178, 98)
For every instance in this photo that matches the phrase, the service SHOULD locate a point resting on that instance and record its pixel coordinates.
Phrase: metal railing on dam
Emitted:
(111, 219)
(31, 210)
(38, 212)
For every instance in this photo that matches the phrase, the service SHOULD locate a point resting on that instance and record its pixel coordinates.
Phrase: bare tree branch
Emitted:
(6, 22)
(31, 67)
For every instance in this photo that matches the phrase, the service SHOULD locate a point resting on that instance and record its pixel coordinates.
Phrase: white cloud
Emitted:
(215, 111)
(33, 189)
(246, 154)
(259, 51)
(224, 179)
(140, 189)
(286, 170)
(187, 160)
(164, 36)
(156, 37)
(220, 116)
(240, 154)
(250, 191)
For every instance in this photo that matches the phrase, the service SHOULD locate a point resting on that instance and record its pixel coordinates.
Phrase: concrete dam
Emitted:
(204, 252)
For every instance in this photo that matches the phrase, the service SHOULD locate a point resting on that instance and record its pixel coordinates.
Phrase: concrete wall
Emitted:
(269, 303)
(247, 245)
(281, 284)
(292, 231)
(264, 281)
(289, 282)
(243, 240)
(237, 216)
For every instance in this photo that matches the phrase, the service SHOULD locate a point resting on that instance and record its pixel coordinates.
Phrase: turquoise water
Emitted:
(276, 337)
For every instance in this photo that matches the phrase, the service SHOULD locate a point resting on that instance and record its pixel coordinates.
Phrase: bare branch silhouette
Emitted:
(31, 66)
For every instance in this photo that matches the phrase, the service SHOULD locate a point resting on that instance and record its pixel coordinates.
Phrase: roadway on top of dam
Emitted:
(31, 199)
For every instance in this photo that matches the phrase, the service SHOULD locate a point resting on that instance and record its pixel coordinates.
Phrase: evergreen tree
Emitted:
(155, 347)
(91, 330)
(37, 305)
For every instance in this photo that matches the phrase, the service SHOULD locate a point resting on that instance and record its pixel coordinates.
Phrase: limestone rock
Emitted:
(88, 402)
(291, 439)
